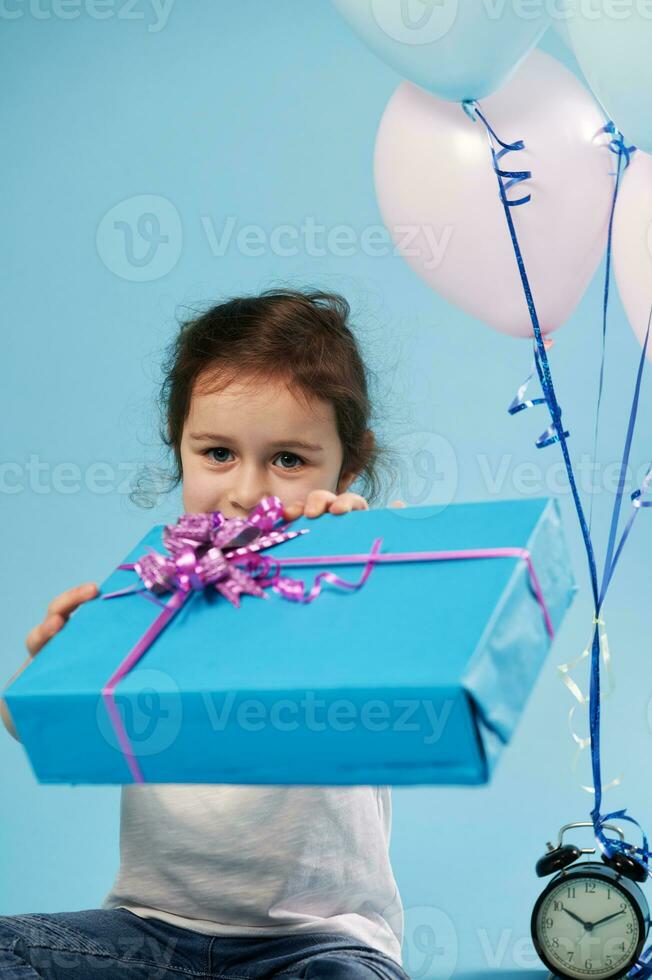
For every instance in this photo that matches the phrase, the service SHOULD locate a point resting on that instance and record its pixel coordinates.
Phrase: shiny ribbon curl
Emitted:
(203, 552)
(519, 403)
(557, 433)
(205, 549)
(564, 670)
(618, 146)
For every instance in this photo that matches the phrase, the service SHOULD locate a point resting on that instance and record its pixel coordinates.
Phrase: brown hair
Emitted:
(301, 338)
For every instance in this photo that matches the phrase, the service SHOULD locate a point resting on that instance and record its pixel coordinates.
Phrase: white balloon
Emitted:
(439, 197)
(632, 244)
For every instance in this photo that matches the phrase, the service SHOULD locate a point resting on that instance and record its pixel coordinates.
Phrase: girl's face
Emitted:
(248, 441)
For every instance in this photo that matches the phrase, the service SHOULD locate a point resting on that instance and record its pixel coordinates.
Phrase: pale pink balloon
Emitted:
(439, 197)
(632, 244)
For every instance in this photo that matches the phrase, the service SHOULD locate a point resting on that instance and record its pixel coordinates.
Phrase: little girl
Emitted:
(262, 395)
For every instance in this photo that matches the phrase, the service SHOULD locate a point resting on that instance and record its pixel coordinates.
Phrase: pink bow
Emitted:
(204, 549)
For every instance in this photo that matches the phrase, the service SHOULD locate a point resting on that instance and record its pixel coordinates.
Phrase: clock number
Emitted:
(587, 964)
(608, 960)
(571, 891)
(622, 905)
(548, 922)
(589, 889)
(570, 955)
(629, 927)
(558, 907)
(608, 892)
(621, 946)
(555, 943)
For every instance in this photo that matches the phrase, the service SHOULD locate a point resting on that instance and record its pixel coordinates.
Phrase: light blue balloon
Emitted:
(457, 49)
(612, 41)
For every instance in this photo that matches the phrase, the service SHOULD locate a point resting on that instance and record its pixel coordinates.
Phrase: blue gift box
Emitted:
(417, 677)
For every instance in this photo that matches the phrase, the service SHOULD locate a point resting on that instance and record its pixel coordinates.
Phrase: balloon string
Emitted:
(564, 670)
(541, 357)
(607, 847)
(616, 145)
(519, 403)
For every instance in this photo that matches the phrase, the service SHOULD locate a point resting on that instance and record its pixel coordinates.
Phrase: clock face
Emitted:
(586, 926)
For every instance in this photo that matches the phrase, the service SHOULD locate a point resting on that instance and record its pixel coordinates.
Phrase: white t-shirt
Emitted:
(239, 860)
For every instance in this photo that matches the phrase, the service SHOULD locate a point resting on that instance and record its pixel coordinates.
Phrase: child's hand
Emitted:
(57, 614)
(321, 501)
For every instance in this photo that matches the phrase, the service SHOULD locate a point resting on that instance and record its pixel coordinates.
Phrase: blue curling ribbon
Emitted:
(520, 403)
(548, 437)
(616, 145)
(556, 433)
(613, 552)
(638, 501)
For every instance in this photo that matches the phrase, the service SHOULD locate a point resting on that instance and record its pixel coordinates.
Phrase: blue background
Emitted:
(267, 113)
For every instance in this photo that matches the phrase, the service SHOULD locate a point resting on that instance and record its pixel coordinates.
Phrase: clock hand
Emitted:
(607, 917)
(587, 925)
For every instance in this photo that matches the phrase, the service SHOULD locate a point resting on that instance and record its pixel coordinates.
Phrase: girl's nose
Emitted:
(245, 511)
(248, 488)
(245, 503)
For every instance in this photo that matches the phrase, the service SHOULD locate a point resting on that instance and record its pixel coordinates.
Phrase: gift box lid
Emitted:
(467, 633)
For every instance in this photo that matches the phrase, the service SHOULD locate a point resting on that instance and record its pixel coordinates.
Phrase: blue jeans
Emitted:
(103, 944)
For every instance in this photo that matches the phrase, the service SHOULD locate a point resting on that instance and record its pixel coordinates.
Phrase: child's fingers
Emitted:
(318, 501)
(292, 511)
(346, 502)
(39, 636)
(397, 503)
(57, 614)
(65, 603)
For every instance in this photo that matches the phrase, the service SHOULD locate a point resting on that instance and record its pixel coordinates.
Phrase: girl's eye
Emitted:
(223, 449)
(216, 449)
(292, 456)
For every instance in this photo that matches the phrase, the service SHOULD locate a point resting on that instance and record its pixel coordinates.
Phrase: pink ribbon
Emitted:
(208, 550)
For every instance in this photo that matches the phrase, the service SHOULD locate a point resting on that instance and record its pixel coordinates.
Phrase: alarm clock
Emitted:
(592, 919)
